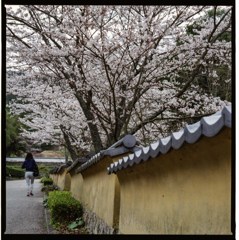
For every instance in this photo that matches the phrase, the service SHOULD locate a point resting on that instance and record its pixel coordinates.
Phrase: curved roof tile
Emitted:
(215, 121)
(124, 145)
(90, 162)
(178, 139)
(227, 116)
(207, 126)
(193, 132)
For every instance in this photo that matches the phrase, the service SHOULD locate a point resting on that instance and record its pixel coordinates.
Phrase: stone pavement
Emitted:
(25, 215)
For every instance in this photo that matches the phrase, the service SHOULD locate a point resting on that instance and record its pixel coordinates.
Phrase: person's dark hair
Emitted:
(29, 156)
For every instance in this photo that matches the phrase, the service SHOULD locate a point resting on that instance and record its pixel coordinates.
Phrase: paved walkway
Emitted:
(25, 215)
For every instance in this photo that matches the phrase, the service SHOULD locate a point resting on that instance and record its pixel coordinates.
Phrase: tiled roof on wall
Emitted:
(124, 145)
(79, 162)
(58, 169)
(207, 126)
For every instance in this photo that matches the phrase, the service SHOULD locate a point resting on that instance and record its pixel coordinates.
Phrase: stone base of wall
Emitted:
(96, 225)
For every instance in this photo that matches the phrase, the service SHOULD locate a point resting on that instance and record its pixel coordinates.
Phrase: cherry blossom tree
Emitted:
(51, 115)
(95, 73)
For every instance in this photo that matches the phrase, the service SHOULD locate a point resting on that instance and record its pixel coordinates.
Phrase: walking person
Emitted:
(30, 166)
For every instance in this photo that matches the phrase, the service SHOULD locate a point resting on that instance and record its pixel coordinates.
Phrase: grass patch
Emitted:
(14, 169)
(15, 172)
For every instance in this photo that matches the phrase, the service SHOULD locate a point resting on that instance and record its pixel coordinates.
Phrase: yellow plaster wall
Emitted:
(64, 180)
(101, 192)
(54, 177)
(77, 186)
(186, 191)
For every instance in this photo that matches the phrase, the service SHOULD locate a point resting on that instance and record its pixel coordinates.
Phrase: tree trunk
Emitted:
(95, 136)
(68, 144)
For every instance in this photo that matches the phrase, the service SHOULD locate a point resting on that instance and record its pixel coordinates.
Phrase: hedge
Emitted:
(12, 171)
(63, 207)
(46, 181)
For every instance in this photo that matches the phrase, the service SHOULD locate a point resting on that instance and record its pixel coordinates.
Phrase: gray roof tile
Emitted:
(192, 132)
(178, 139)
(207, 126)
(215, 121)
(124, 145)
(227, 116)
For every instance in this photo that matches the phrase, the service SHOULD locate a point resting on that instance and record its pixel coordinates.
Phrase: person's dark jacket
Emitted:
(29, 165)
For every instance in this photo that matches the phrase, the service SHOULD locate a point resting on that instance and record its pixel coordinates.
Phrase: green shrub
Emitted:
(63, 207)
(49, 188)
(44, 169)
(46, 181)
(13, 171)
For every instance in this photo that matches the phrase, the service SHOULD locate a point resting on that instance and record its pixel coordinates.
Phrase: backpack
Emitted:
(36, 171)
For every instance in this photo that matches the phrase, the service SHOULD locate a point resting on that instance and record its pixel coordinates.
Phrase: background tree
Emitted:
(116, 68)
(14, 142)
(49, 116)
(220, 87)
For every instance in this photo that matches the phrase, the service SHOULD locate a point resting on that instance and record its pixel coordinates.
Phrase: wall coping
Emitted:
(124, 145)
(208, 126)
